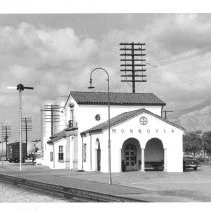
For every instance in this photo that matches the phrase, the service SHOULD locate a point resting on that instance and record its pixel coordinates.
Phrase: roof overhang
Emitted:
(63, 134)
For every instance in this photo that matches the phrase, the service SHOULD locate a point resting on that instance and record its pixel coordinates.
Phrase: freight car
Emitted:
(13, 152)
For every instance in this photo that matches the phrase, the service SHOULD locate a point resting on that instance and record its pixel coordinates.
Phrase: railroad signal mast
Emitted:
(6, 133)
(133, 63)
(52, 115)
(26, 126)
(20, 87)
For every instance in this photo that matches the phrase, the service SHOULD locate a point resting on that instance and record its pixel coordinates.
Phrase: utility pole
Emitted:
(166, 112)
(133, 63)
(41, 132)
(2, 161)
(26, 126)
(6, 133)
(51, 116)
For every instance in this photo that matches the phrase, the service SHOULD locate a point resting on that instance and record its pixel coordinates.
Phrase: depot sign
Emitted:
(142, 131)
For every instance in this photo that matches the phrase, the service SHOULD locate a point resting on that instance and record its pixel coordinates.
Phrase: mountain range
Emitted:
(197, 117)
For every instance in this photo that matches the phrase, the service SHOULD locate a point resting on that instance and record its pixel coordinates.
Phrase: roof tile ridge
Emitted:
(74, 91)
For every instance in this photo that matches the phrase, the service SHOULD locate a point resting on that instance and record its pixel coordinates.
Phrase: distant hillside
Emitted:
(194, 118)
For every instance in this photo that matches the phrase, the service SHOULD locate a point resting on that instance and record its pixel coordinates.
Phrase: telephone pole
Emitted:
(26, 126)
(2, 140)
(6, 133)
(51, 115)
(133, 63)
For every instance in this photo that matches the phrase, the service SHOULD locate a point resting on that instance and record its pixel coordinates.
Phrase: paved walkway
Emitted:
(132, 184)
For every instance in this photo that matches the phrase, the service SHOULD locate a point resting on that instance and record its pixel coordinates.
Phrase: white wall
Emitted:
(170, 136)
(49, 148)
(85, 117)
(85, 114)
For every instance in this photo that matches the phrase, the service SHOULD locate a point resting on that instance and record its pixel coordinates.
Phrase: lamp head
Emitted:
(90, 84)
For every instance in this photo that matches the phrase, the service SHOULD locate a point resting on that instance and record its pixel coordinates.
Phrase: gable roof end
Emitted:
(123, 117)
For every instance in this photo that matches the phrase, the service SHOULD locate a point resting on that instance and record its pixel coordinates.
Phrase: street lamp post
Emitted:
(109, 134)
(20, 87)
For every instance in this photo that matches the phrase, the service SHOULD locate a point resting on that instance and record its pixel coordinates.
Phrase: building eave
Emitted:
(63, 134)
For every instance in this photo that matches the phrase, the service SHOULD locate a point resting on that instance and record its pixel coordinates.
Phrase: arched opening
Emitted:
(154, 155)
(98, 155)
(131, 155)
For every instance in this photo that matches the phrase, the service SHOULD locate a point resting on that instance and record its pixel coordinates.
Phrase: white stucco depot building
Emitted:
(140, 137)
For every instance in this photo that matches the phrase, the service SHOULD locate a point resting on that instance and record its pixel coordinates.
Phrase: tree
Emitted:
(34, 151)
(192, 142)
(206, 142)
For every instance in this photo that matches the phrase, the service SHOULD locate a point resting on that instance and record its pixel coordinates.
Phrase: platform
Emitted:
(90, 181)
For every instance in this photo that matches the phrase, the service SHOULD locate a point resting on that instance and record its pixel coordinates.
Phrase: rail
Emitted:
(67, 193)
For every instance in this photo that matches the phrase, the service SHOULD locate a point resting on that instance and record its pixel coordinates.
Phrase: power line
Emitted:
(188, 57)
(174, 60)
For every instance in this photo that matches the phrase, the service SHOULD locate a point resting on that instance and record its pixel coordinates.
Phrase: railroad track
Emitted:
(72, 194)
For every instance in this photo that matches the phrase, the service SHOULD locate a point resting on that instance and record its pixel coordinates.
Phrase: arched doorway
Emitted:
(98, 155)
(131, 155)
(154, 155)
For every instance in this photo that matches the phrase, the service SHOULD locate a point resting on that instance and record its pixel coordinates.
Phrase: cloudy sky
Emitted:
(55, 54)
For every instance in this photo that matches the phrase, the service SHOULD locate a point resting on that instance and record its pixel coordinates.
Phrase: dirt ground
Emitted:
(12, 194)
(190, 186)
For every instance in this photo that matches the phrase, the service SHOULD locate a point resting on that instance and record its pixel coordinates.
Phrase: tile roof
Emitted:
(62, 134)
(123, 117)
(100, 98)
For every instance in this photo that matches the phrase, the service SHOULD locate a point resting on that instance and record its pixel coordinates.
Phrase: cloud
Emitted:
(43, 53)
(60, 45)
(180, 33)
(168, 37)
(56, 60)
(51, 60)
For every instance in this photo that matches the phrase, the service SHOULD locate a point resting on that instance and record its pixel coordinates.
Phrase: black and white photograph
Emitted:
(105, 107)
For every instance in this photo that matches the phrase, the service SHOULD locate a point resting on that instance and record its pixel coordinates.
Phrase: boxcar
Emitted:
(13, 152)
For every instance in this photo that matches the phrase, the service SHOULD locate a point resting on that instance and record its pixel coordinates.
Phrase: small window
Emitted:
(61, 154)
(51, 156)
(97, 117)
